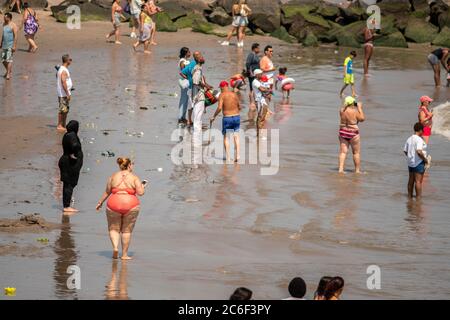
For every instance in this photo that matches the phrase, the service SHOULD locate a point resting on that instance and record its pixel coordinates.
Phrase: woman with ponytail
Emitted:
(122, 208)
(333, 289)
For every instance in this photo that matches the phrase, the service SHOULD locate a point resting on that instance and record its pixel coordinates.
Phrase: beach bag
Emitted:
(127, 9)
(30, 25)
(183, 83)
(210, 97)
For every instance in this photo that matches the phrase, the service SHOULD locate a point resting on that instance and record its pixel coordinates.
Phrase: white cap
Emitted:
(257, 71)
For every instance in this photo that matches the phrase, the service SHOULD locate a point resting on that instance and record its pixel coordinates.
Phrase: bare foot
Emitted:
(8, 77)
(126, 258)
(135, 46)
(70, 209)
(115, 254)
(117, 42)
(107, 37)
(237, 160)
(147, 52)
(154, 43)
(34, 49)
(341, 171)
(358, 172)
(61, 129)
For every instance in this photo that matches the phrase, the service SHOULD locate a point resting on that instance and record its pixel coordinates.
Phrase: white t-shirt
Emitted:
(59, 87)
(256, 85)
(413, 144)
(135, 7)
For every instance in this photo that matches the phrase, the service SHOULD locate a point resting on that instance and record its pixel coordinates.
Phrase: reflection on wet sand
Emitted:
(66, 255)
(345, 194)
(283, 111)
(117, 287)
(417, 217)
(223, 199)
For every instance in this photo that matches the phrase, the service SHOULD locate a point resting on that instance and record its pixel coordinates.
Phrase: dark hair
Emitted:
(282, 70)
(297, 288)
(143, 6)
(321, 286)
(245, 73)
(9, 15)
(333, 286)
(73, 126)
(183, 52)
(353, 53)
(267, 48)
(26, 5)
(254, 46)
(418, 127)
(241, 294)
(65, 58)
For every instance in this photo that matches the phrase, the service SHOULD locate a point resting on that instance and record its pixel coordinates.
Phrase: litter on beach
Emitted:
(108, 153)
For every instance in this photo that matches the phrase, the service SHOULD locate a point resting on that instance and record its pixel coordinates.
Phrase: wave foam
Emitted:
(441, 119)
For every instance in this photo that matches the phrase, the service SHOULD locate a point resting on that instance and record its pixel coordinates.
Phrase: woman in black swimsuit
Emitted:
(438, 55)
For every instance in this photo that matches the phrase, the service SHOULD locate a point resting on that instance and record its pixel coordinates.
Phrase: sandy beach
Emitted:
(203, 232)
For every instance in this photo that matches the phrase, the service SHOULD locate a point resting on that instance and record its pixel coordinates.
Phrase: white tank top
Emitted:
(59, 87)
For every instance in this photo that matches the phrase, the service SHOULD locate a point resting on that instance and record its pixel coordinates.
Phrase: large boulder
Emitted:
(188, 20)
(189, 6)
(395, 39)
(225, 4)
(420, 31)
(89, 11)
(220, 17)
(265, 15)
(36, 4)
(203, 27)
(310, 40)
(438, 13)
(352, 14)
(443, 38)
(290, 12)
(328, 11)
(347, 39)
(164, 23)
(173, 9)
(388, 25)
(282, 34)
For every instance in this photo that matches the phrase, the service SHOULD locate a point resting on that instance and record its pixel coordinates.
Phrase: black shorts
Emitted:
(250, 82)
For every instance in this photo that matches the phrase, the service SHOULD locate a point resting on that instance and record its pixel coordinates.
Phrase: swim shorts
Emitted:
(63, 105)
(232, 124)
(433, 59)
(7, 55)
(349, 79)
(426, 131)
(419, 169)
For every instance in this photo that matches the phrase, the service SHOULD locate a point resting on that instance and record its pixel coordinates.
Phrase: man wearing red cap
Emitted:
(426, 117)
(230, 106)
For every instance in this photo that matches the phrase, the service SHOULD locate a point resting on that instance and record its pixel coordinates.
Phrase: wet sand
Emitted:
(203, 232)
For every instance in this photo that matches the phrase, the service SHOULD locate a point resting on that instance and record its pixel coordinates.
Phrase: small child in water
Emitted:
(286, 88)
(237, 82)
(267, 84)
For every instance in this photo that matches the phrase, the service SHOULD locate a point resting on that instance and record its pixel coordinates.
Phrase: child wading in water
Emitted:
(287, 87)
(349, 77)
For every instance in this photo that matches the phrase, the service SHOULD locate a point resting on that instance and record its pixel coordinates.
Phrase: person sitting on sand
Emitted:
(350, 114)
(145, 28)
(70, 163)
(122, 208)
(297, 289)
(349, 77)
(333, 289)
(230, 107)
(318, 295)
(241, 294)
(435, 58)
(415, 150)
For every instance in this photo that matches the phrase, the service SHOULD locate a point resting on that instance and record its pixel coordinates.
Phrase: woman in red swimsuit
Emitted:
(426, 117)
(122, 208)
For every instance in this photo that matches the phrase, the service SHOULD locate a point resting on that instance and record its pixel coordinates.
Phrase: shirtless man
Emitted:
(266, 64)
(369, 36)
(230, 106)
(351, 114)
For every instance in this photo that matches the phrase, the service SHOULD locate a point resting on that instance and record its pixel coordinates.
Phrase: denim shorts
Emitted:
(433, 59)
(419, 169)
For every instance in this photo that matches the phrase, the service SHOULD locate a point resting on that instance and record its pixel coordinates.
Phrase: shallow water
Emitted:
(204, 231)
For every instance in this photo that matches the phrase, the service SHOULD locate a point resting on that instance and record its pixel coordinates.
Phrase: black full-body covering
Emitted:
(71, 161)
